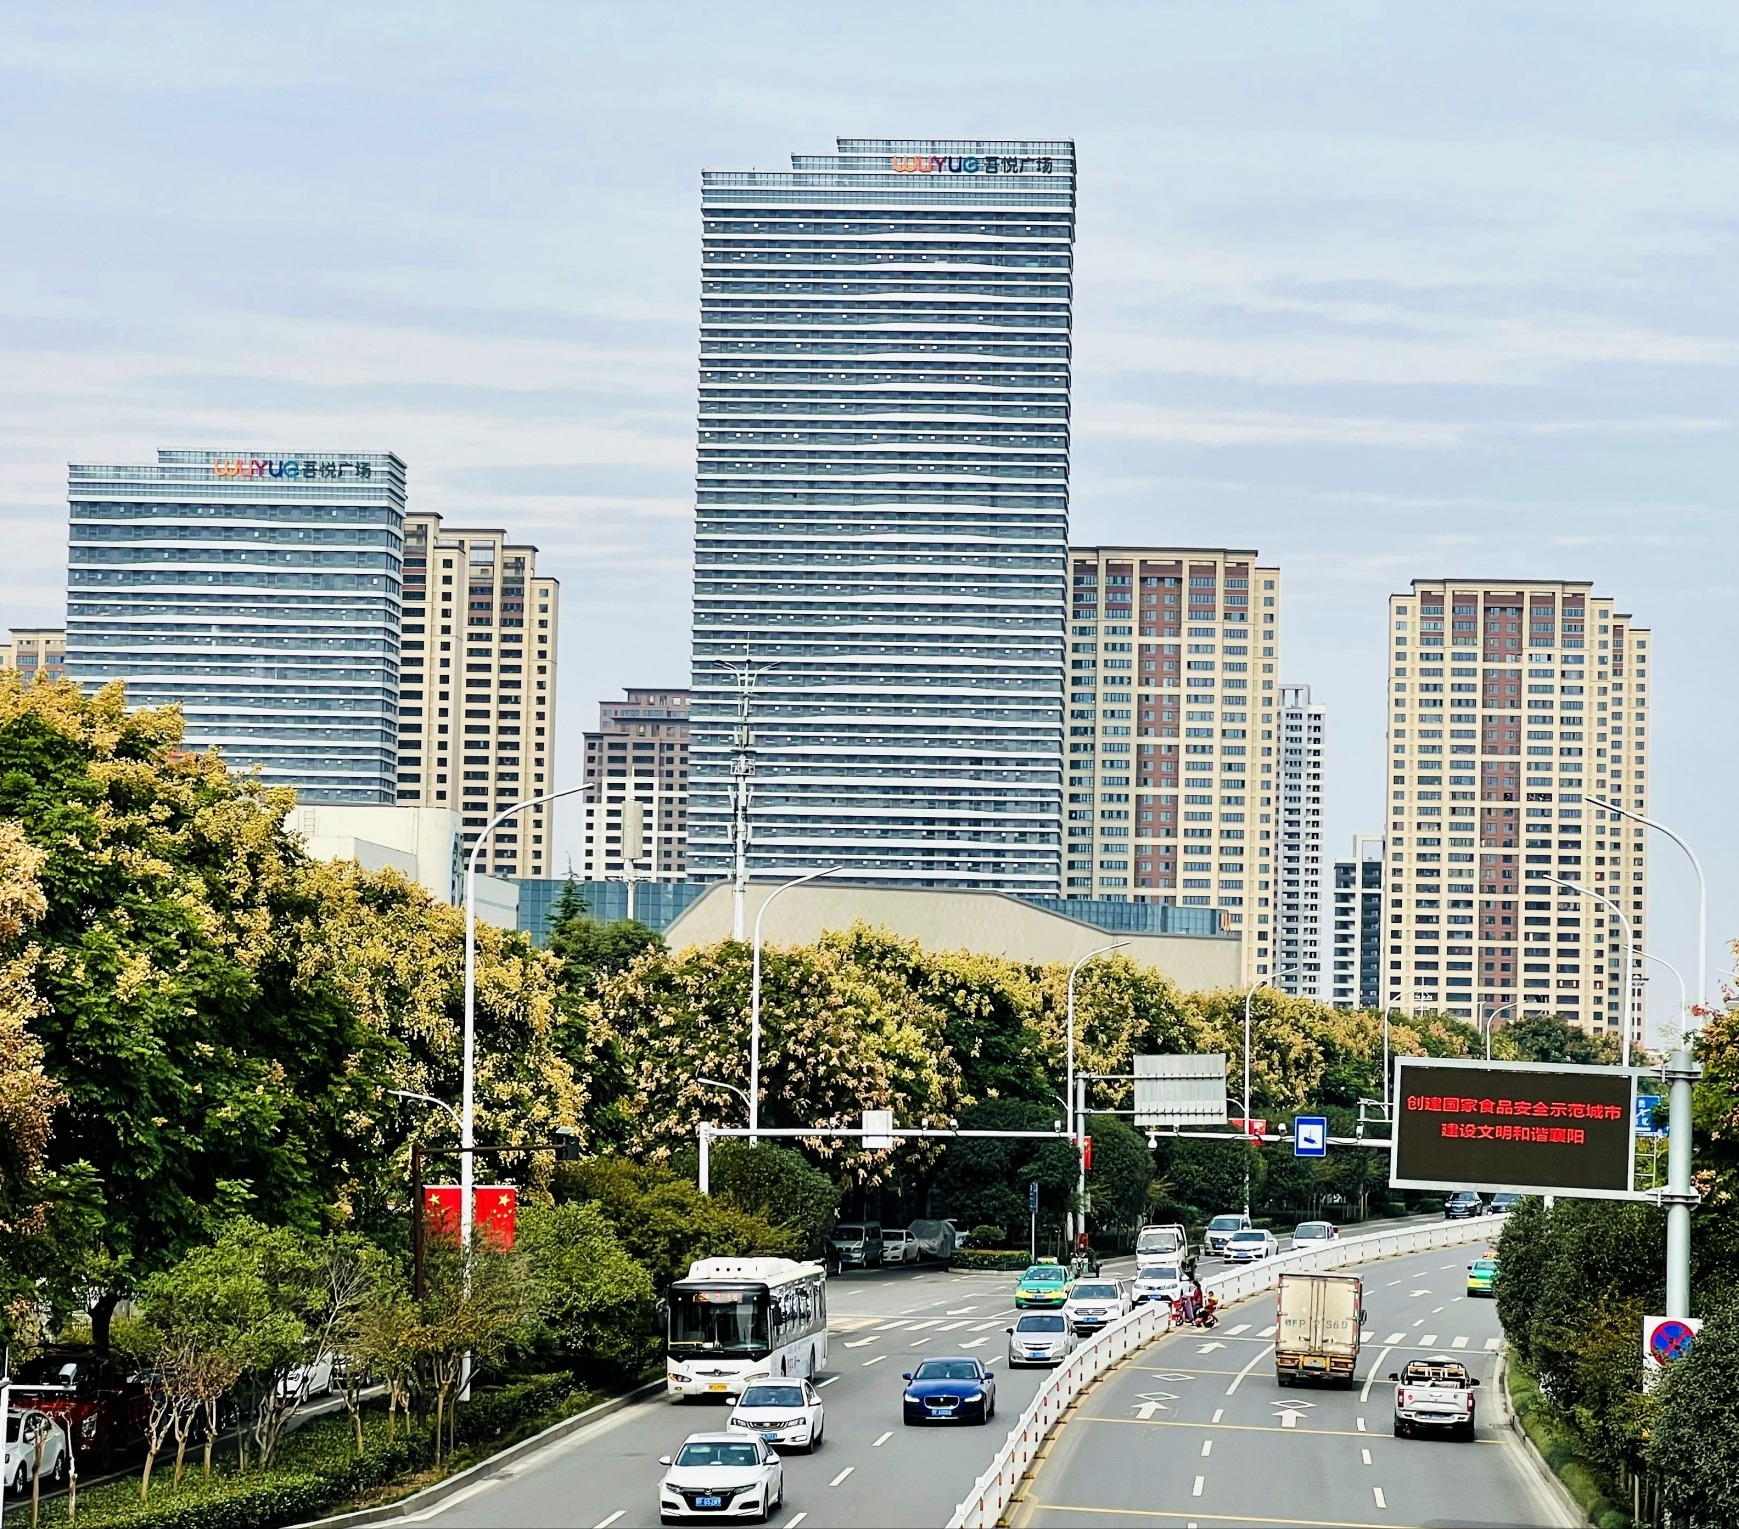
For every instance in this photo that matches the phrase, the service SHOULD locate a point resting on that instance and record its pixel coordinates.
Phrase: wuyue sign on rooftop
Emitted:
(1534, 1128)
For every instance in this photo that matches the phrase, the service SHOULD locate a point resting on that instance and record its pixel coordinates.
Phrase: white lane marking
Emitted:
(451, 1502)
(842, 1475)
(918, 1327)
(1196, 1490)
(1377, 1492)
(1260, 1355)
(1427, 1340)
(983, 1327)
(859, 1342)
(1420, 1322)
(1375, 1370)
(877, 1360)
(890, 1433)
(960, 1311)
(1458, 1342)
(1435, 1310)
(604, 1523)
(1361, 1425)
(1289, 1420)
(1394, 1337)
(949, 1327)
(1365, 1455)
(1414, 1295)
(1492, 1345)
(916, 1342)
(829, 1381)
(975, 1343)
(1267, 1332)
(1219, 1412)
(1242, 1327)
(1448, 1266)
(906, 1311)
(1368, 1334)
(1208, 1348)
(794, 1520)
(888, 1327)
(1207, 1449)
(1393, 1283)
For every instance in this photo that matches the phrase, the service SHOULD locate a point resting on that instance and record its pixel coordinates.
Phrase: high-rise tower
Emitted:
(882, 503)
(1298, 865)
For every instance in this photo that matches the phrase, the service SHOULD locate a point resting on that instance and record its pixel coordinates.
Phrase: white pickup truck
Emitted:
(1434, 1393)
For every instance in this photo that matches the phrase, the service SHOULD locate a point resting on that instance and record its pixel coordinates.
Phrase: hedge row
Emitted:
(990, 1258)
(320, 1471)
(1562, 1451)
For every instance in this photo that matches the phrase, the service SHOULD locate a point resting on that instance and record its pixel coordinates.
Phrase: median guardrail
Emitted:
(996, 1487)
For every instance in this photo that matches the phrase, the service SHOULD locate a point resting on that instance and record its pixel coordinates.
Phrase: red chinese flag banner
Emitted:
(494, 1208)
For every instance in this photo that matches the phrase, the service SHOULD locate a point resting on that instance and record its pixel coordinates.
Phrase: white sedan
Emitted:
(1247, 1246)
(25, 1429)
(721, 1475)
(783, 1412)
(315, 1378)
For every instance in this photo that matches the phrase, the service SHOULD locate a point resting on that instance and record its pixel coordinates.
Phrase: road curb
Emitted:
(430, 1495)
(1545, 1478)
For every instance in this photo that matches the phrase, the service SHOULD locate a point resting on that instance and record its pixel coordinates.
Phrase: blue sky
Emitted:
(1383, 291)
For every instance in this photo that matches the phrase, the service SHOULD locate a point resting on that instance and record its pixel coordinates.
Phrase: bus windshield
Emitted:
(722, 1321)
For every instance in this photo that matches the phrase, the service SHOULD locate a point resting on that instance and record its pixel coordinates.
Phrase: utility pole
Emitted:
(419, 1286)
(742, 768)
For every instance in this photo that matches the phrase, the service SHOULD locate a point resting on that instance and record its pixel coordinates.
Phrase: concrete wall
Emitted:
(986, 923)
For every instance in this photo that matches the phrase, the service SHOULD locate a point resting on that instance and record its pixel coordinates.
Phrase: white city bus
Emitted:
(736, 1320)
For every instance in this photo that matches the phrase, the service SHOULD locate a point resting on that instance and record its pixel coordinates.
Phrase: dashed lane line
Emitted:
(890, 1433)
(604, 1523)
(1196, 1490)
(877, 1360)
(1207, 1448)
(1219, 1412)
(1365, 1455)
(831, 1379)
(1377, 1492)
(842, 1475)
(794, 1520)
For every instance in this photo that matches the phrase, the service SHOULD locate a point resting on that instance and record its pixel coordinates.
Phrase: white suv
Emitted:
(1094, 1302)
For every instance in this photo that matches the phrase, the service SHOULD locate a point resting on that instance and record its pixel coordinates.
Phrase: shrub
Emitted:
(988, 1236)
(978, 1258)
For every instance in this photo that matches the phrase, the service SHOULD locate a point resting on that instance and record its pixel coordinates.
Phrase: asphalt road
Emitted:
(1195, 1431)
(870, 1471)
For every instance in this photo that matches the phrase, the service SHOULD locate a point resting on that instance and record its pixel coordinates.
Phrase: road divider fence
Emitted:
(991, 1495)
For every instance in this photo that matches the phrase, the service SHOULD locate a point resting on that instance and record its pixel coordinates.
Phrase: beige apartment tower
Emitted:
(1173, 653)
(1516, 708)
(478, 686)
(637, 788)
(35, 650)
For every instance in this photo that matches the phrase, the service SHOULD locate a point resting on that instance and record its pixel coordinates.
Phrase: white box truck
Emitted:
(1317, 1327)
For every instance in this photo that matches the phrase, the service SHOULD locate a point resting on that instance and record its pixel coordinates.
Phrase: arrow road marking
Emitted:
(859, 1342)
(1208, 1348)
(1146, 1410)
(960, 1311)
(1414, 1295)
(1289, 1420)
(975, 1343)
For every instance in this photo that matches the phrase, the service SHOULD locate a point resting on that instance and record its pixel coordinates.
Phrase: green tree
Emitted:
(589, 951)
(777, 1184)
(592, 1302)
(1121, 1173)
(1694, 1450)
(1552, 1038)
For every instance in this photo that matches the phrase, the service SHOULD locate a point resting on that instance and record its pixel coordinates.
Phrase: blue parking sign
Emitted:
(1645, 1106)
(1310, 1136)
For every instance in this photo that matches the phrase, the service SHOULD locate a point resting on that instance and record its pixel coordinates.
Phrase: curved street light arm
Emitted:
(1629, 1010)
(755, 997)
(1702, 890)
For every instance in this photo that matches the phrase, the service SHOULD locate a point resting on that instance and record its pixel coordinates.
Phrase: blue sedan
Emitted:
(956, 1390)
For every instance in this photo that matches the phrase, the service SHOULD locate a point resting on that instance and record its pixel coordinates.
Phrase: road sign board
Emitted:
(1645, 1107)
(1668, 1339)
(1525, 1127)
(1032, 1197)
(1310, 1136)
(1180, 1090)
(875, 1123)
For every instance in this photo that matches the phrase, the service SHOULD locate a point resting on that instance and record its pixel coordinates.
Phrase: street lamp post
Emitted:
(704, 1177)
(1684, 1001)
(1070, 1102)
(1629, 955)
(742, 767)
(1491, 1015)
(1249, 997)
(468, 1099)
(755, 999)
(1681, 1072)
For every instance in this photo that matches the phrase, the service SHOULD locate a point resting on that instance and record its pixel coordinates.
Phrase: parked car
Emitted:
(1094, 1302)
(1462, 1204)
(949, 1390)
(1220, 1231)
(1251, 1243)
(316, 1378)
(961, 1239)
(1043, 1284)
(900, 1247)
(717, 1475)
(26, 1430)
(935, 1240)
(1482, 1275)
(103, 1403)
(1314, 1234)
(782, 1412)
(857, 1244)
(1434, 1393)
(1040, 1337)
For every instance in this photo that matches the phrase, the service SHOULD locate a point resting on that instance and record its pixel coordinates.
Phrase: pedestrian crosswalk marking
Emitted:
(1428, 1339)
(1395, 1338)
(1458, 1342)
(1242, 1327)
(1267, 1332)
(1492, 1345)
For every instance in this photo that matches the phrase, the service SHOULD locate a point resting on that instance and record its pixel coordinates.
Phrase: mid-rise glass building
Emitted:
(260, 593)
(882, 510)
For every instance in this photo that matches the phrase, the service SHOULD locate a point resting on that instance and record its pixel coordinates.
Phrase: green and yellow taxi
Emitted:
(1482, 1275)
(1043, 1284)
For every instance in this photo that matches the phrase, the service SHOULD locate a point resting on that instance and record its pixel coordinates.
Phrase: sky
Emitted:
(1384, 291)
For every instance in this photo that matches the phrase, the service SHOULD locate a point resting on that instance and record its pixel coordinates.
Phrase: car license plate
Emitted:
(718, 1385)
(770, 1438)
(709, 1502)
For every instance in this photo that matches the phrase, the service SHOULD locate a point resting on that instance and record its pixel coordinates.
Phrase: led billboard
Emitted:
(1535, 1128)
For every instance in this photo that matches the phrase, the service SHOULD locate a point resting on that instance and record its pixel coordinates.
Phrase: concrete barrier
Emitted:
(996, 1487)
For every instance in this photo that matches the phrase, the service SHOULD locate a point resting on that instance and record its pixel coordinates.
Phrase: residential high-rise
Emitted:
(882, 510)
(259, 593)
(637, 769)
(1298, 864)
(35, 650)
(477, 711)
(1358, 926)
(1192, 822)
(1515, 706)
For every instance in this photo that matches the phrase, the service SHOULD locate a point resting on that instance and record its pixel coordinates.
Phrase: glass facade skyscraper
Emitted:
(882, 510)
(260, 593)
